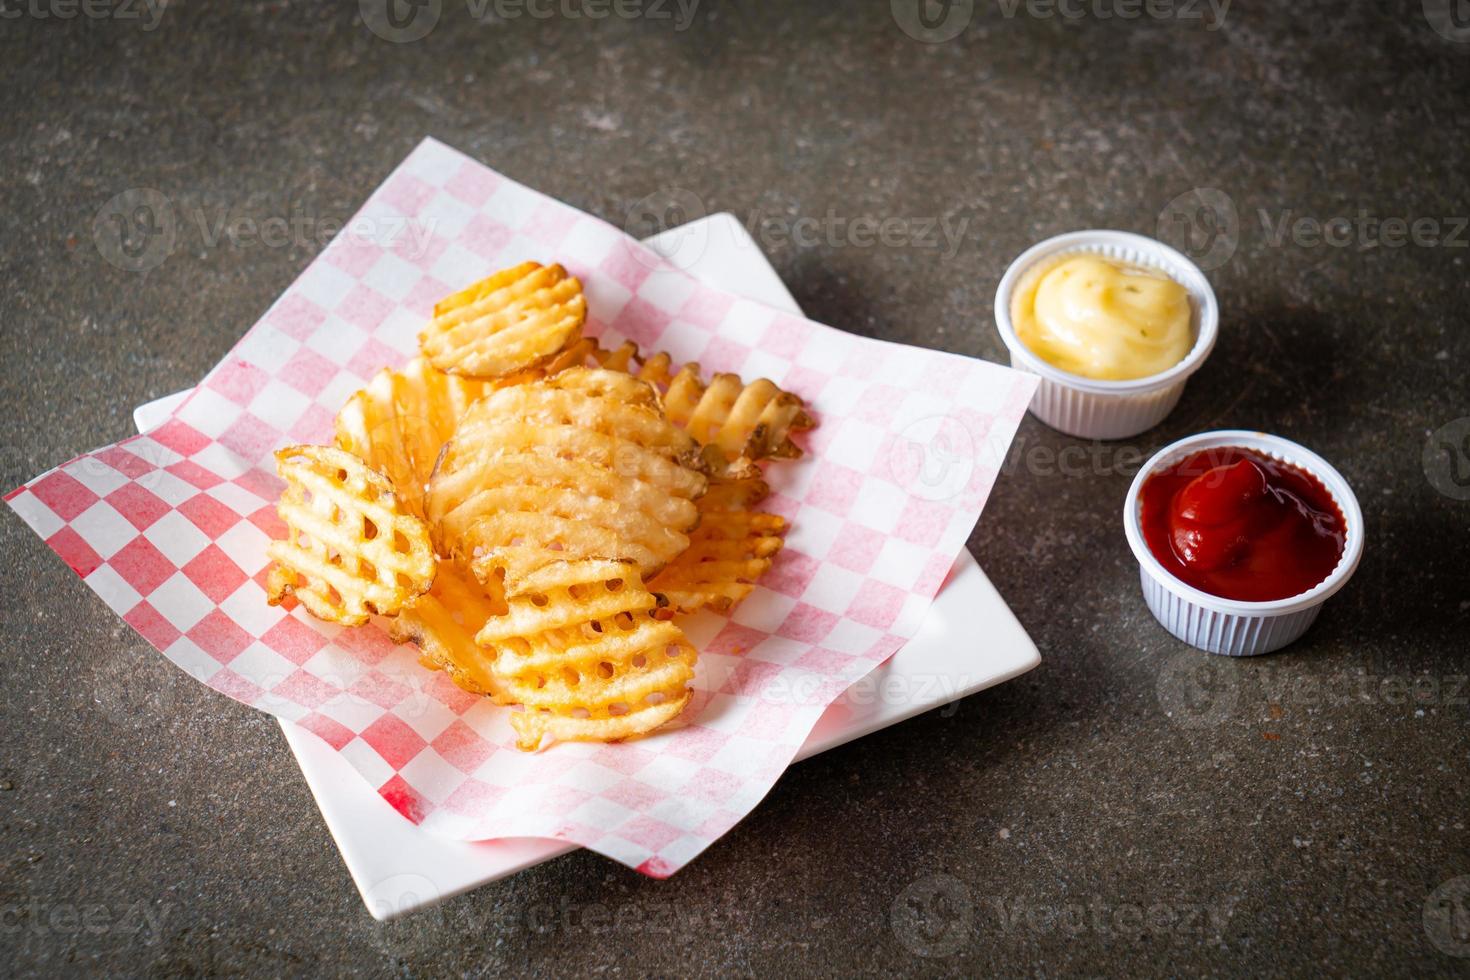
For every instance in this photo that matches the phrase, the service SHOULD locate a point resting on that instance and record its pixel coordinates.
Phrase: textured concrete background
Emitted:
(1129, 806)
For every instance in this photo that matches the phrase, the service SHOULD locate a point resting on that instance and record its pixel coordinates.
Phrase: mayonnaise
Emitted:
(1102, 319)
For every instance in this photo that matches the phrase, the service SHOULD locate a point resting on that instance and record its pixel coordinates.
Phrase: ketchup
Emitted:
(1240, 525)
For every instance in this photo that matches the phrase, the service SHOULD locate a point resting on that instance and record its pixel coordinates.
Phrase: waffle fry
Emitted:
(732, 547)
(579, 465)
(578, 499)
(510, 322)
(401, 420)
(623, 358)
(580, 651)
(443, 622)
(350, 551)
(746, 422)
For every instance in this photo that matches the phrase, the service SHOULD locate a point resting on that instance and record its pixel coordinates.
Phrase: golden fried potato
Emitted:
(580, 650)
(728, 552)
(746, 422)
(579, 465)
(401, 420)
(510, 322)
(443, 622)
(351, 550)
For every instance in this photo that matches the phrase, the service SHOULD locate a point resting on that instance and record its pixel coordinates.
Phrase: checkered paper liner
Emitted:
(170, 527)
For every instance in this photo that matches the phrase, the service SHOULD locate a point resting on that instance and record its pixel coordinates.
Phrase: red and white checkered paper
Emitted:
(170, 527)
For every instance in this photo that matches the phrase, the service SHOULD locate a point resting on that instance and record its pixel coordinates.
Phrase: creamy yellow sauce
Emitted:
(1102, 319)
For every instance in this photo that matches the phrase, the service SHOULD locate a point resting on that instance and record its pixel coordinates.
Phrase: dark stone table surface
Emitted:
(1131, 806)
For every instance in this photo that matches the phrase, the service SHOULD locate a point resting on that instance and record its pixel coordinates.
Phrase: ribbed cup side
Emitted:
(1095, 416)
(1088, 415)
(1223, 633)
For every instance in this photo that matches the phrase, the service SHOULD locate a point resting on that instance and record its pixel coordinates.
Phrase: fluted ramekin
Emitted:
(1095, 409)
(1228, 626)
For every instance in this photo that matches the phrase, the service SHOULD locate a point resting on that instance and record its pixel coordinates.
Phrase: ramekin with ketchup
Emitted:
(1240, 538)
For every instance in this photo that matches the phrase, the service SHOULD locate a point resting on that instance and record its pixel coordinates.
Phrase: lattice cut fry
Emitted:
(579, 465)
(728, 552)
(350, 551)
(748, 422)
(402, 419)
(512, 321)
(582, 652)
(443, 622)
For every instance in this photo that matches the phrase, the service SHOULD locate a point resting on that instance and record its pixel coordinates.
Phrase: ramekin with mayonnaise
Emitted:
(1113, 323)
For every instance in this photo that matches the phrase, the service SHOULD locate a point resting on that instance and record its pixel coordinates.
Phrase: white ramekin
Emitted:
(1227, 626)
(1093, 409)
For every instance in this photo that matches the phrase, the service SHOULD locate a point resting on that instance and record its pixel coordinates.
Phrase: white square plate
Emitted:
(398, 867)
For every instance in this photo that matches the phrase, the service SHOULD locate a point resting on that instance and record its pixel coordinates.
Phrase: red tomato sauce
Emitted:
(1240, 525)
